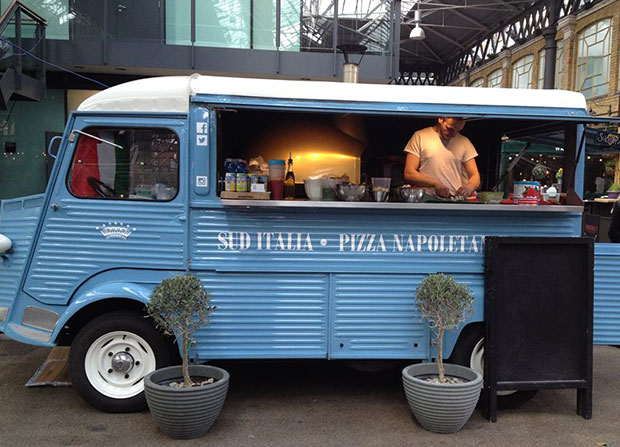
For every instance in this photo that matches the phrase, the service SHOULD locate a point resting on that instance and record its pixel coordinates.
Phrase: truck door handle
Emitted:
(181, 217)
(55, 207)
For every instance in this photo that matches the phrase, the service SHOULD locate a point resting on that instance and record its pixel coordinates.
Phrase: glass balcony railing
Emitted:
(287, 25)
(21, 43)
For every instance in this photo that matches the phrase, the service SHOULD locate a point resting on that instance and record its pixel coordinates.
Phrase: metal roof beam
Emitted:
(508, 5)
(433, 52)
(463, 16)
(444, 37)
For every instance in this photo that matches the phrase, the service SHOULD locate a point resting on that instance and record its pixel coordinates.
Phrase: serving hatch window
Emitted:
(125, 164)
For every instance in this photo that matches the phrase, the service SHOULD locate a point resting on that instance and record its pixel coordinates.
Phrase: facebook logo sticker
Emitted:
(202, 127)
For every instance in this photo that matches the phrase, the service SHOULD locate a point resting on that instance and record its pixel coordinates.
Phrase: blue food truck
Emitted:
(135, 196)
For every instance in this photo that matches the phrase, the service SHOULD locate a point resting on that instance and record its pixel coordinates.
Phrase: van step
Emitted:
(54, 371)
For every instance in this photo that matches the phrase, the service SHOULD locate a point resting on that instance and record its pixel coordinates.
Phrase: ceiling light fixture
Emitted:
(417, 33)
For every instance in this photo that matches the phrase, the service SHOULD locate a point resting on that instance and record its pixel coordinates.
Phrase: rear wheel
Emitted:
(110, 357)
(469, 351)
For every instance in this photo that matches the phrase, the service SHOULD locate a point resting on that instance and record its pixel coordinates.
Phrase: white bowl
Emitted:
(314, 188)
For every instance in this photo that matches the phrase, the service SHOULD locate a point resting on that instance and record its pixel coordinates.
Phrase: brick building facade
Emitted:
(596, 29)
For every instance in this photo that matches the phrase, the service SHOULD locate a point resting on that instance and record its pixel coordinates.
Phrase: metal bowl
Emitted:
(349, 192)
(411, 195)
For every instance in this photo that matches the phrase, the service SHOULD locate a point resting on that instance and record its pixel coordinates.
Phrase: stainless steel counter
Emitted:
(403, 206)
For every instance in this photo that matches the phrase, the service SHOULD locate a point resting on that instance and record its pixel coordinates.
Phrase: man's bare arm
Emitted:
(414, 176)
(471, 169)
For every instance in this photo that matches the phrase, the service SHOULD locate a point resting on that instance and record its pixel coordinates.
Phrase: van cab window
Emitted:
(125, 164)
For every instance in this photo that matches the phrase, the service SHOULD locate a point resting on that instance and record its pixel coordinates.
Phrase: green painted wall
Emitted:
(25, 123)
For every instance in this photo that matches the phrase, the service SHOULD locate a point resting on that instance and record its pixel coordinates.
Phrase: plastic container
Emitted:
(526, 193)
(380, 188)
(491, 196)
(276, 169)
(276, 178)
(613, 194)
(328, 188)
(314, 189)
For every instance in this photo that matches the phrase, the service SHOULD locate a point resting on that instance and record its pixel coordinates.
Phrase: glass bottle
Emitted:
(289, 180)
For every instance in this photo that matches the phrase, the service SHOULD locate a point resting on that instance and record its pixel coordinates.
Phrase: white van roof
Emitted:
(172, 94)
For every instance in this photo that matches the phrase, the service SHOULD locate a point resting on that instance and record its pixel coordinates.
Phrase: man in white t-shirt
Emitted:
(440, 157)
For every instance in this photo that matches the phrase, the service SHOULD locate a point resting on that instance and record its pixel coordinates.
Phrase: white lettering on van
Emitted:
(234, 240)
(402, 244)
(270, 241)
(351, 242)
(358, 242)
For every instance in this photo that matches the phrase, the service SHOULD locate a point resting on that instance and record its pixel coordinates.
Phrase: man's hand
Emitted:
(465, 191)
(442, 190)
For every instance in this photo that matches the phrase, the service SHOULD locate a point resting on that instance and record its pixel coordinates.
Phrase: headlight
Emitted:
(5, 244)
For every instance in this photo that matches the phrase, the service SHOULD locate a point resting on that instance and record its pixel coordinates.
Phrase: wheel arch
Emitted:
(96, 301)
(465, 333)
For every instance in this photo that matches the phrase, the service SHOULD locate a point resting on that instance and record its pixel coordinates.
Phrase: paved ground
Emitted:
(302, 404)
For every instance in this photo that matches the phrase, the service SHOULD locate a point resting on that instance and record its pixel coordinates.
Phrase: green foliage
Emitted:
(539, 172)
(444, 302)
(179, 306)
(614, 187)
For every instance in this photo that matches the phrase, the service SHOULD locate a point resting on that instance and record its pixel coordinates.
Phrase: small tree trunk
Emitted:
(442, 371)
(186, 378)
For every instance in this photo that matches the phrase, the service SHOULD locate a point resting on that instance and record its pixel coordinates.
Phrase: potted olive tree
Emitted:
(442, 396)
(184, 400)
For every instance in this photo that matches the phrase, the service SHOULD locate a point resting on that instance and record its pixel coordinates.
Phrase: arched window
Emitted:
(593, 58)
(477, 83)
(495, 78)
(559, 61)
(522, 72)
(541, 68)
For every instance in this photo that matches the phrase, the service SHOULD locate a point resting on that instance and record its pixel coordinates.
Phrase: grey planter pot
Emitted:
(441, 407)
(185, 413)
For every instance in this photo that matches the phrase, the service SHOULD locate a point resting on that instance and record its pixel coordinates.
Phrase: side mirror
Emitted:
(5, 244)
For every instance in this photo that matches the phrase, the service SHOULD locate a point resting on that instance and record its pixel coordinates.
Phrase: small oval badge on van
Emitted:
(116, 230)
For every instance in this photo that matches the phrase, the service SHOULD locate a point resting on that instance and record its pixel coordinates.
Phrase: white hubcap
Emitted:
(476, 363)
(116, 363)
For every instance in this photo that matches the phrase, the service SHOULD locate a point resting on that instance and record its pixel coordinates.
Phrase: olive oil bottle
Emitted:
(289, 180)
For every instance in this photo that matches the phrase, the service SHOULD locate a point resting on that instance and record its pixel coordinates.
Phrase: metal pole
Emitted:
(193, 33)
(335, 37)
(18, 39)
(395, 41)
(550, 46)
(278, 31)
(251, 24)
(105, 32)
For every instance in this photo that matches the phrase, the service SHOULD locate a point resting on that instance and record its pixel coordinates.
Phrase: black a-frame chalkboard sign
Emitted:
(538, 317)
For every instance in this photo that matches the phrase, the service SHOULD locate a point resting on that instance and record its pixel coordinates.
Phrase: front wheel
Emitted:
(110, 357)
(469, 351)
